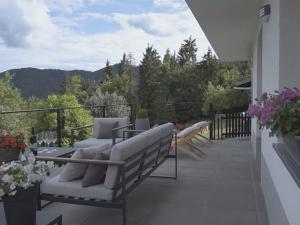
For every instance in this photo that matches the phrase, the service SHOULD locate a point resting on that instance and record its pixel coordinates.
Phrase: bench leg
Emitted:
(124, 205)
(124, 212)
(176, 166)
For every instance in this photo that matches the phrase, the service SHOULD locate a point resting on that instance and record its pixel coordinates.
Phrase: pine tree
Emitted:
(108, 69)
(123, 65)
(188, 52)
(150, 71)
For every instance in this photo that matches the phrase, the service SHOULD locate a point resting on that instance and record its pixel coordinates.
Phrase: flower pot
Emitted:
(7, 155)
(142, 124)
(20, 209)
(292, 144)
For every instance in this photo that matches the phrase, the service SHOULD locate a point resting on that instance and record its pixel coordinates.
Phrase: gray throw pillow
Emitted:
(95, 174)
(73, 171)
(105, 129)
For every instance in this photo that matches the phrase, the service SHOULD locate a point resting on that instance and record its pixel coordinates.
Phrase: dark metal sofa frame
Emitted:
(125, 183)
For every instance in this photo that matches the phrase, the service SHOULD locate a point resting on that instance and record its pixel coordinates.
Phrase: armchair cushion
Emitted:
(105, 129)
(121, 122)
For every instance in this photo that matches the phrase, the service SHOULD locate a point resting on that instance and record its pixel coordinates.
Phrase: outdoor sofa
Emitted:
(130, 162)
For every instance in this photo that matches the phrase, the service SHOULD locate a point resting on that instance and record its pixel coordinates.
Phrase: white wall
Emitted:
(280, 60)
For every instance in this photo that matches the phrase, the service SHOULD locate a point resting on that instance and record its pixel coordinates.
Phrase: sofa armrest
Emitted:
(77, 129)
(85, 161)
(132, 132)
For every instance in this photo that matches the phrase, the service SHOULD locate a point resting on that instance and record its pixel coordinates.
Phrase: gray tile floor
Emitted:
(219, 190)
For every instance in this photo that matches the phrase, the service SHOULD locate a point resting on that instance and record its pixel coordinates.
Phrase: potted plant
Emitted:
(11, 146)
(280, 112)
(19, 189)
(142, 120)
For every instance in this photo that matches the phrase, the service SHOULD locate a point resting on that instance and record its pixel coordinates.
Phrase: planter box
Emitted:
(7, 155)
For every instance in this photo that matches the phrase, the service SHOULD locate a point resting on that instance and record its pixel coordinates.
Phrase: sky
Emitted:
(83, 34)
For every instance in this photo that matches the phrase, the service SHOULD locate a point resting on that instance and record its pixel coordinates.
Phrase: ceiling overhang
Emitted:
(229, 25)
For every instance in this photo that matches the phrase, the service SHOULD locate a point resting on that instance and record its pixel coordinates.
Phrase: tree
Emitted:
(223, 98)
(187, 52)
(108, 72)
(116, 105)
(75, 117)
(116, 83)
(124, 65)
(10, 99)
(149, 71)
(73, 85)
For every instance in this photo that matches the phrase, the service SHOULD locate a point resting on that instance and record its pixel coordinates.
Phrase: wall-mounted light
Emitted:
(264, 13)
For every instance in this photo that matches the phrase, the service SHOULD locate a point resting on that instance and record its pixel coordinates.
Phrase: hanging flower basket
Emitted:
(11, 146)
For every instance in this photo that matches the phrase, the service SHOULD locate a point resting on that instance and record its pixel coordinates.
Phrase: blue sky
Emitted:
(83, 34)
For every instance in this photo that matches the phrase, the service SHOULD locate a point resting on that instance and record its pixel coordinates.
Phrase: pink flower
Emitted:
(254, 110)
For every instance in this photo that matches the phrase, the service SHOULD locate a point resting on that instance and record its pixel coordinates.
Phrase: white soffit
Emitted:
(229, 25)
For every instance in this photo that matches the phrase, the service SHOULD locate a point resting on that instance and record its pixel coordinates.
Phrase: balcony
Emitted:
(220, 189)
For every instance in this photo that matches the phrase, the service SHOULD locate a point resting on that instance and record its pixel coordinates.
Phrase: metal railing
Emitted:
(230, 124)
(60, 117)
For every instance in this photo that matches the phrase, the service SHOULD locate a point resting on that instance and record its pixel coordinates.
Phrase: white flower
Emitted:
(7, 178)
(12, 186)
(31, 159)
(2, 193)
(12, 193)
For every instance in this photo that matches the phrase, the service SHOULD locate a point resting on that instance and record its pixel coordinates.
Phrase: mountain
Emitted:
(42, 82)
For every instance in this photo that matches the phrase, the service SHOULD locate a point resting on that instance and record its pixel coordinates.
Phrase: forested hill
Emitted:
(41, 83)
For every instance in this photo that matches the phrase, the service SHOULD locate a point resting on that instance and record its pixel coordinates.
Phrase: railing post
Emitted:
(132, 111)
(212, 118)
(103, 111)
(59, 126)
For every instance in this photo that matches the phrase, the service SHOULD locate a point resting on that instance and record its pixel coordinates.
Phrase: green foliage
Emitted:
(187, 52)
(150, 71)
(108, 72)
(74, 117)
(115, 105)
(117, 84)
(141, 113)
(10, 99)
(223, 98)
(73, 85)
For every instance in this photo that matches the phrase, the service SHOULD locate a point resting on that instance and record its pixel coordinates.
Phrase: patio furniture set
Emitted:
(106, 168)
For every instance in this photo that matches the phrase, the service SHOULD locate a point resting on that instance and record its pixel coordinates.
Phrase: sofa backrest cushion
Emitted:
(121, 122)
(72, 171)
(167, 135)
(121, 152)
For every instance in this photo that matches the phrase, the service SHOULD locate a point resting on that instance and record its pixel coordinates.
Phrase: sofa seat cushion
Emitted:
(94, 141)
(74, 189)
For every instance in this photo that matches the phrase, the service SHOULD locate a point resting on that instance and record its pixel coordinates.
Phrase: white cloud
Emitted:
(69, 6)
(172, 4)
(14, 29)
(53, 44)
